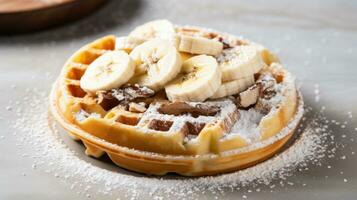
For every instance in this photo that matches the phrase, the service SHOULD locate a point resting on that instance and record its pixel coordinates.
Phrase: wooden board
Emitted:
(18, 16)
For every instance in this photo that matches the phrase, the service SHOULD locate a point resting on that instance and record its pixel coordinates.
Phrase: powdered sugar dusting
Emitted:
(53, 156)
(247, 126)
(82, 115)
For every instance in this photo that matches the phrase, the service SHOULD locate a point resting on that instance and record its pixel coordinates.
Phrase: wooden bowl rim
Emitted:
(41, 8)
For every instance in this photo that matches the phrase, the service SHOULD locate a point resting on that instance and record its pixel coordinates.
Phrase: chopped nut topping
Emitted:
(267, 83)
(106, 100)
(180, 108)
(123, 96)
(126, 93)
(249, 96)
(137, 107)
(266, 80)
(193, 128)
(130, 92)
(160, 125)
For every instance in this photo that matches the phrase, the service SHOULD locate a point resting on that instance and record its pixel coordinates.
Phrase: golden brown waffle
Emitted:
(154, 143)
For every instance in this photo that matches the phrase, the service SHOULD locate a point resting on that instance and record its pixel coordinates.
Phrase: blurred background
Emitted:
(318, 35)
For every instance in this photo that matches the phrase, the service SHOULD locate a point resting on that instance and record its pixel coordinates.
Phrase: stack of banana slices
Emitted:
(187, 67)
(180, 99)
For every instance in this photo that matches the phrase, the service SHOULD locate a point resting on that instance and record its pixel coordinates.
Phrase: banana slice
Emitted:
(157, 62)
(233, 87)
(186, 56)
(199, 45)
(162, 29)
(108, 71)
(199, 79)
(239, 62)
(128, 43)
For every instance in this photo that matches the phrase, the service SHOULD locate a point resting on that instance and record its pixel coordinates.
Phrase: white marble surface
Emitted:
(316, 40)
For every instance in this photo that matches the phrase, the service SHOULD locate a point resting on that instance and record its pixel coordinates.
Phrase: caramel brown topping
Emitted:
(106, 100)
(123, 95)
(180, 108)
(130, 92)
(194, 128)
(160, 125)
(267, 83)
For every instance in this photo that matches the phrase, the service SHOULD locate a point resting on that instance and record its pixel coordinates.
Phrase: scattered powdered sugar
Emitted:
(82, 115)
(53, 156)
(284, 132)
(237, 55)
(317, 93)
(131, 92)
(349, 114)
(247, 125)
(231, 55)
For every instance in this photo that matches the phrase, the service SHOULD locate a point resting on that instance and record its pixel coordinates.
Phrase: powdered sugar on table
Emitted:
(53, 156)
(247, 126)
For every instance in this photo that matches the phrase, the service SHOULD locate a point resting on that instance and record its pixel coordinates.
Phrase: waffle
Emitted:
(153, 142)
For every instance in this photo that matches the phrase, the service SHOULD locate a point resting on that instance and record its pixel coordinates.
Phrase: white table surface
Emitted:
(315, 39)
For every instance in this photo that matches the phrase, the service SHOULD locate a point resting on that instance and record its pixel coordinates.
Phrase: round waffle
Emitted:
(155, 143)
